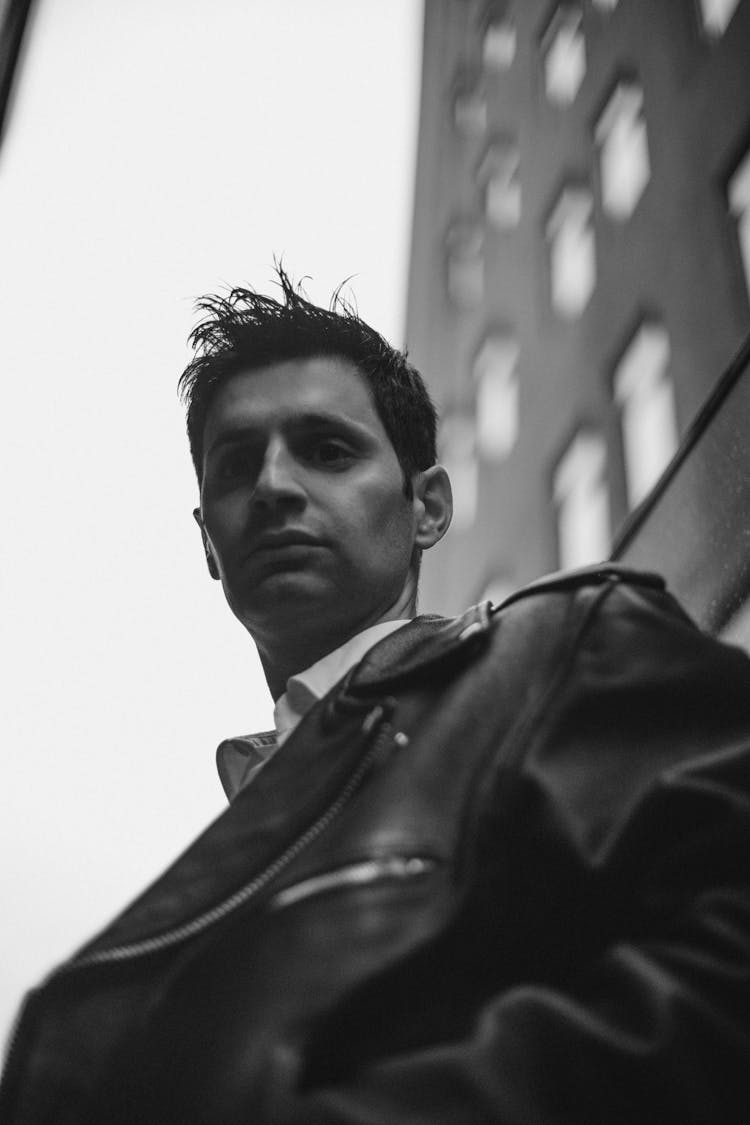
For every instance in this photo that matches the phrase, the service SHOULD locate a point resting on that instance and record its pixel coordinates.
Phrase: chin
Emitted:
(282, 593)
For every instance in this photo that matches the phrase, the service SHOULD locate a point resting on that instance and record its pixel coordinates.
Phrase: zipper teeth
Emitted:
(244, 894)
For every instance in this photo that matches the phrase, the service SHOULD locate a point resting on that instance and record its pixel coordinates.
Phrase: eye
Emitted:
(234, 465)
(331, 453)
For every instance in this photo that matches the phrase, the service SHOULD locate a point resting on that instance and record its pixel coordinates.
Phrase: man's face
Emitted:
(302, 501)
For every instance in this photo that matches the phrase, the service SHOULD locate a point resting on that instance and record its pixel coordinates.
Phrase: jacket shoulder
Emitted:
(598, 574)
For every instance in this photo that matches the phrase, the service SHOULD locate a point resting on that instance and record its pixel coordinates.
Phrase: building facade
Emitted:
(580, 264)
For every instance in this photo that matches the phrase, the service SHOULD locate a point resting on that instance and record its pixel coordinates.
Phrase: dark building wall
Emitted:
(676, 258)
(14, 17)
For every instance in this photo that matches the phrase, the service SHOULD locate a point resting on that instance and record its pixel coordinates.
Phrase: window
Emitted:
(499, 44)
(580, 493)
(457, 452)
(470, 113)
(564, 55)
(572, 252)
(644, 392)
(605, 5)
(465, 244)
(498, 173)
(739, 205)
(623, 151)
(717, 14)
(496, 376)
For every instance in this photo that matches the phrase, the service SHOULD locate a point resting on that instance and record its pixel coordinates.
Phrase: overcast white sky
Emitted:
(157, 150)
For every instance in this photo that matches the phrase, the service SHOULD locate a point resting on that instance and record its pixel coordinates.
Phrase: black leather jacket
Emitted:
(500, 874)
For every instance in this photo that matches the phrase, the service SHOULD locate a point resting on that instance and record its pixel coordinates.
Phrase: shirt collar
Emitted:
(238, 760)
(307, 687)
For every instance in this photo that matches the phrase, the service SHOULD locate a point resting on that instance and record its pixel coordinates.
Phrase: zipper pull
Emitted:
(380, 713)
(373, 718)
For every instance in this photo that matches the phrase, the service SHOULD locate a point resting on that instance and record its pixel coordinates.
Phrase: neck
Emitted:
(288, 652)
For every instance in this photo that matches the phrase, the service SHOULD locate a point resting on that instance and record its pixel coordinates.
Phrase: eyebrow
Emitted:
(309, 420)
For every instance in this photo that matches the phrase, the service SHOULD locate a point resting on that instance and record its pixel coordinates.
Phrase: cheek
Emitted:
(386, 531)
(224, 529)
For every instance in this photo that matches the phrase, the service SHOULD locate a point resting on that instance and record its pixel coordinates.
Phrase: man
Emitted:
(491, 869)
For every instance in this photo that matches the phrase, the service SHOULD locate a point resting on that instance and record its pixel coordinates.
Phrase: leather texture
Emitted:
(499, 874)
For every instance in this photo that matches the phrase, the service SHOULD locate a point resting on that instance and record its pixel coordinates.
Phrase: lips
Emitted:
(280, 540)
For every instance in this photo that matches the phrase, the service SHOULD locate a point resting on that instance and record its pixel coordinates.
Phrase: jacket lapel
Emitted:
(417, 648)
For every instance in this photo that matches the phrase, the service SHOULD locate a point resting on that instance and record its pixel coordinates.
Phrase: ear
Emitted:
(433, 506)
(213, 569)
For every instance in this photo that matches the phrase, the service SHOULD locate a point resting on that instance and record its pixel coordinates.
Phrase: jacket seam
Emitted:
(518, 740)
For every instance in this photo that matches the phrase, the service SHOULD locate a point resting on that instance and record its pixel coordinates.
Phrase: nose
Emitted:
(278, 481)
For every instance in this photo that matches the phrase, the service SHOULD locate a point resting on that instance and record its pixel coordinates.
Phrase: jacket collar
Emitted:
(404, 653)
(308, 686)
(423, 643)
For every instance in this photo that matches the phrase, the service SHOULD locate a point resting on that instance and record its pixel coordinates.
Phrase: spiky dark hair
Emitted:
(247, 330)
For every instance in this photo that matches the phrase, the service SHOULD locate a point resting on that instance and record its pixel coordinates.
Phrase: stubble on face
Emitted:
(303, 504)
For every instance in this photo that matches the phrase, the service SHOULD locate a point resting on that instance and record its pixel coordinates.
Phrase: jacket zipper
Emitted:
(208, 918)
(262, 879)
(249, 891)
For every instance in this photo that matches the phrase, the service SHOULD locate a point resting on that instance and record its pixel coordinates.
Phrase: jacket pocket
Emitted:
(394, 868)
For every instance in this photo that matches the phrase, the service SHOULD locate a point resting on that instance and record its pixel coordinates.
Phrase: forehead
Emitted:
(279, 393)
